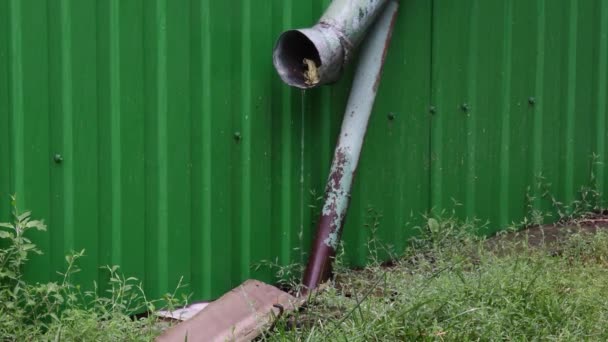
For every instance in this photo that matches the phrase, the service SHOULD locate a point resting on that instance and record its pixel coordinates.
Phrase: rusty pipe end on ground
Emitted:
(310, 57)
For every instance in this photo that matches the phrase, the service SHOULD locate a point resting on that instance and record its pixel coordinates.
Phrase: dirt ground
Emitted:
(558, 232)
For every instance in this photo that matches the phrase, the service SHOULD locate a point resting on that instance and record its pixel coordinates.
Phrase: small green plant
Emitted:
(588, 200)
(15, 255)
(287, 276)
(377, 249)
(61, 310)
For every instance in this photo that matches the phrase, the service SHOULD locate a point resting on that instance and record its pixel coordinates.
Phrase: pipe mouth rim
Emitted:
(292, 57)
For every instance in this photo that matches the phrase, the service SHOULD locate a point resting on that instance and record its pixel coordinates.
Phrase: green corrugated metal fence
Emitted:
(184, 154)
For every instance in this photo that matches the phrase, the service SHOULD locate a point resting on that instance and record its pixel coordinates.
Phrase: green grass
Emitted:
(450, 285)
(454, 286)
(61, 310)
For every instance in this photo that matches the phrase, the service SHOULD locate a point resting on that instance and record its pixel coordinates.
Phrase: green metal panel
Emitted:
(185, 155)
(520, 91)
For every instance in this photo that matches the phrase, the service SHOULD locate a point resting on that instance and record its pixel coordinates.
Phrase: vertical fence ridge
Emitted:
(16, 113)
(161, 153)
(207, 143)
(67, 123)
(602, 93)
(286, 154)
(471, 119)
(571, 103)
(247, 140)
(436, 126)
(537, 130)
(5, 175)
(115, 130)
(431, 142)
(505, 125)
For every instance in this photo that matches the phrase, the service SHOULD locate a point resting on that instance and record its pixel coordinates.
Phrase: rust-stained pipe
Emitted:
(346, 155)
(309, 57)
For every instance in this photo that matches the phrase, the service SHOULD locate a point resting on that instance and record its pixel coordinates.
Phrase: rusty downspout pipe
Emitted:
(328, 44)
(346, 155)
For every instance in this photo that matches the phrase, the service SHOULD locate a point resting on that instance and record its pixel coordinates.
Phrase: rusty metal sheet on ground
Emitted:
(240, 315)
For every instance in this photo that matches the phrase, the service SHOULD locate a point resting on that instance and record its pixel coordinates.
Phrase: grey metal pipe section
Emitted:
(346, 155)
(309, 57)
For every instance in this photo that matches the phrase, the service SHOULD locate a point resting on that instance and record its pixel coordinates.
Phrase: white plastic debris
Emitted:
(184, 313)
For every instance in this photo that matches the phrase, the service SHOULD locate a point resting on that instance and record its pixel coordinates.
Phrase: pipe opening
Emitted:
(293, 47)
